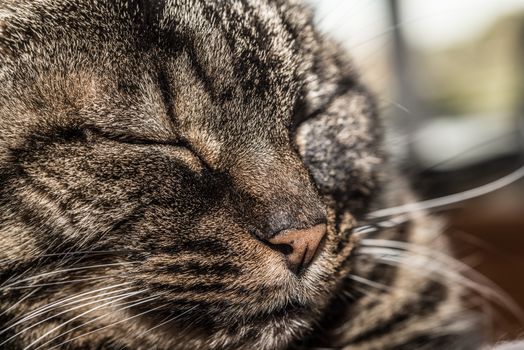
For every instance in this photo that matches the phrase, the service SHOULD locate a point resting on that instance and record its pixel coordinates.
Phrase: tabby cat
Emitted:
(194, 174)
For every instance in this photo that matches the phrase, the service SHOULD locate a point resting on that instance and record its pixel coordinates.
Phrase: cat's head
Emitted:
(198, 144)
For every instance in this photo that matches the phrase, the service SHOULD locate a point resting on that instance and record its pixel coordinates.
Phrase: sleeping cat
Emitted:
(193, 174)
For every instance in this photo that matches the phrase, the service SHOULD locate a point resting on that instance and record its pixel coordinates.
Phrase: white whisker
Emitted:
(14, 276)
(445, 267)
(20, 301)
(368, 228)
(417, 250)
(63, 302)
(58, 283)
(369, 283)
(451, 199)
(85, 253)
(114, 299)
(120, 308)
(65, 270)
(69, 310)
(111, 325)
(169, 320)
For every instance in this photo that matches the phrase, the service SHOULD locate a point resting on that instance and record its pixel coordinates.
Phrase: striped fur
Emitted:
(147, 146)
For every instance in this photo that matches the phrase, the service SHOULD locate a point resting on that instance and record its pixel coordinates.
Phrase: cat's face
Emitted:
(175, 141)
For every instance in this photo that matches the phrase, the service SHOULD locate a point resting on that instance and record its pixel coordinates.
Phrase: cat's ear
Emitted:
(339, 138)
(341, 145)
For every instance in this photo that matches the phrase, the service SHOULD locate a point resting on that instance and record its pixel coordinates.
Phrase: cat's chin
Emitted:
(273, 329)
(270, 329)
(268, 325)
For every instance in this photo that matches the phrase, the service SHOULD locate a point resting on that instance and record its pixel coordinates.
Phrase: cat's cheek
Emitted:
(82, 190)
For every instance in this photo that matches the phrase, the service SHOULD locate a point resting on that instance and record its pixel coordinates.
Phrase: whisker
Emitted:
(14, 276)
(374, 226)
(421, 267)
(132, 304)
(477, 242)
(66, 270)
(400, 107)
(69, 310)
(451, 199)
(20, 301)
(169, 320)
(58, 283)
(89, 253)
(113, 300)
(92, 252)
(434, 264)
(502, 137)
(111, 325)
(381, 286)
(417, 249)
(53, 305)
(321, 19)
(369, 283)
(349, 297)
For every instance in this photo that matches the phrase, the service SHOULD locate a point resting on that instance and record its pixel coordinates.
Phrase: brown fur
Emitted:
(160, 141)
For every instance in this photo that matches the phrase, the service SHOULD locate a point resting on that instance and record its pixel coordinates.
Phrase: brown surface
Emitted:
(488, 234)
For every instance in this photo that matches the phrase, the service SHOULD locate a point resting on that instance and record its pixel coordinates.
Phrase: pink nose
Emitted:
(298, 246)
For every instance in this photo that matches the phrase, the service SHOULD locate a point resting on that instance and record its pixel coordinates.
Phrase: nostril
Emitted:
(285, 249)
(299, 247)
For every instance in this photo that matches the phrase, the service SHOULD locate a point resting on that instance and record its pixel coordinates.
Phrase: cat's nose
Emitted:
(298, 246)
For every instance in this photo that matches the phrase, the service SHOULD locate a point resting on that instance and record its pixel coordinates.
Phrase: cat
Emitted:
(192, 174)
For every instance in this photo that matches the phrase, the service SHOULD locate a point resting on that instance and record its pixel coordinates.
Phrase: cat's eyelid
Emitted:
(140, 140)
(135, 139)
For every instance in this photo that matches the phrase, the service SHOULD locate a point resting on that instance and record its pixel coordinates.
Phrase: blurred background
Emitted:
(449, 78)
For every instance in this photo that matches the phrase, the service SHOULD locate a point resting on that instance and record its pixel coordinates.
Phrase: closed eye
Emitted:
(140, 140)
(134, 139)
